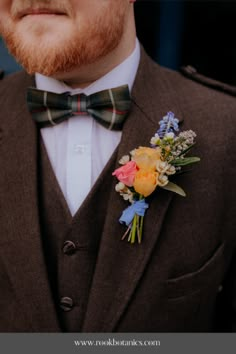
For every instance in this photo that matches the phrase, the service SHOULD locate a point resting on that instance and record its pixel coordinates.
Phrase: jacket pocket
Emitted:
(209, 274)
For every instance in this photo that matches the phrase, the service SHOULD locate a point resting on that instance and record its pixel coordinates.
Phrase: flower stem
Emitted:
(126, 233)
(141, 228)
(133, 231)
(138, 229)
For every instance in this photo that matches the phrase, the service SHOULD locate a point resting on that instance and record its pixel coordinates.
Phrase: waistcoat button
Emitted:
(69, 247)
(66, 303)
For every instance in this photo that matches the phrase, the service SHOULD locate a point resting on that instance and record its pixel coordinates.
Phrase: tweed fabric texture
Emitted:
(182, 278)
(70, 273)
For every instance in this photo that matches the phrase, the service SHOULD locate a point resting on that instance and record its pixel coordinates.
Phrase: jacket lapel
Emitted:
(21, 250)
(120, 265)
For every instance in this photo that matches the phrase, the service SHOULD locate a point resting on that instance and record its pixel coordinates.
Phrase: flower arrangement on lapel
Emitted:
(147, 168)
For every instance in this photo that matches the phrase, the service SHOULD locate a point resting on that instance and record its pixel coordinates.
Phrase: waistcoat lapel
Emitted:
(120, 265)
(20, 239)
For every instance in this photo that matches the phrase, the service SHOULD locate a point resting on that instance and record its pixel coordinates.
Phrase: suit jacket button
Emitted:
(66, 304)
(69, 247)
(220, 288)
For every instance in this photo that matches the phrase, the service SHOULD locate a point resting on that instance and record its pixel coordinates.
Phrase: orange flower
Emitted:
(146, 158)
(145, 182)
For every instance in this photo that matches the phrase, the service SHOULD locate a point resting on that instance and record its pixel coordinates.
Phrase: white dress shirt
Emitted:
(79, 147)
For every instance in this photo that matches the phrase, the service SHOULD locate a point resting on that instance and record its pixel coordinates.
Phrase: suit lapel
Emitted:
(121, 265)
(22, 252)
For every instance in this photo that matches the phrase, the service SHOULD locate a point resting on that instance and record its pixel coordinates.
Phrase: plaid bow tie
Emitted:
(108, 107)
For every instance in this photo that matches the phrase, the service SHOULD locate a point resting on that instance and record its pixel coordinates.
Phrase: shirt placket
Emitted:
(79, 161)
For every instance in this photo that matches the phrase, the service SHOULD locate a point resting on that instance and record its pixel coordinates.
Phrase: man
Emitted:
(63, 266)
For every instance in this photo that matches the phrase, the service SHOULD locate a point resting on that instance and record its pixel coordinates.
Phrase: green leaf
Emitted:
(186, 150)
(172, 187)
(186, 161)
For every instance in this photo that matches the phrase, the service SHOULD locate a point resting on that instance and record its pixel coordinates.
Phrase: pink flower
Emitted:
(126, 173)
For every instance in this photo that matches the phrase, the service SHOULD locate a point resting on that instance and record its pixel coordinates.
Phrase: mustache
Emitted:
(20, 7)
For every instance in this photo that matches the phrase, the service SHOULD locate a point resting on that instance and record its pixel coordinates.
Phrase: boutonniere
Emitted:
(147, 168)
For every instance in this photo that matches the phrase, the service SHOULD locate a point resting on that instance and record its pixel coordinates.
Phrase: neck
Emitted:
(86, 75)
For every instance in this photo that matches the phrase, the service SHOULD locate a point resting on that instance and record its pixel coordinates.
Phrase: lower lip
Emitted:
(42, 14)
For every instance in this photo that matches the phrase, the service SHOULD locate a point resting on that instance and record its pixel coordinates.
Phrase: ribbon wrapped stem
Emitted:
(133, 217)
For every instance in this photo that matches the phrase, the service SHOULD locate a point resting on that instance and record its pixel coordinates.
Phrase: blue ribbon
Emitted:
(138, 207)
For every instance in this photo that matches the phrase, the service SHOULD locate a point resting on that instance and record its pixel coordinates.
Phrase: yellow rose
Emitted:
(146, 158)
(145, 182)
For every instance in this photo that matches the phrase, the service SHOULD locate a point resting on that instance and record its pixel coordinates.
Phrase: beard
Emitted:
(44, 48)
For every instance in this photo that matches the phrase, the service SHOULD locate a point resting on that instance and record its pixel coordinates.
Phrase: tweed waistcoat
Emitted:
(71, 243)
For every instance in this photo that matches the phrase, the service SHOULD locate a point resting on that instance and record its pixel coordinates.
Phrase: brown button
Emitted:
(66, 304)
(220, 288)
(69, 247)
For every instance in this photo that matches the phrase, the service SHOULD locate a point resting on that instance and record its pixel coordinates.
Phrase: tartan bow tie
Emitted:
(109, 107)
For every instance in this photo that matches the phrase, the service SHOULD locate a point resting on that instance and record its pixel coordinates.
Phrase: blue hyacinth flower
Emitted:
(168, 124)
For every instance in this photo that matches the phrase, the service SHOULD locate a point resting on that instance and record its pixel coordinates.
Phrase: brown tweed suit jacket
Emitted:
(182, 277)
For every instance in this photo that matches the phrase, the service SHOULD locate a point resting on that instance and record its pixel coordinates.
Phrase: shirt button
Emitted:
(69, 247)
(80, 149)
(66, 304)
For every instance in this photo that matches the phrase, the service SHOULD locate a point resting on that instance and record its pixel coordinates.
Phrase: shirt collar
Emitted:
(122, 74)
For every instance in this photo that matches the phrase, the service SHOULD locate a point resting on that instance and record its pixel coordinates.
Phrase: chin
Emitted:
(41, 32)
(50, 47)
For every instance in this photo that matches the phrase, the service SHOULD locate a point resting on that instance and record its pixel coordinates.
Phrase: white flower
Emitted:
(169, 136)
(128, 195)
(132, 153)
(162, 180)
(171, 170)
(124, 160)
(164, 167)
(155, 140)
(124, 191)
(119, 187)
(188, 136)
